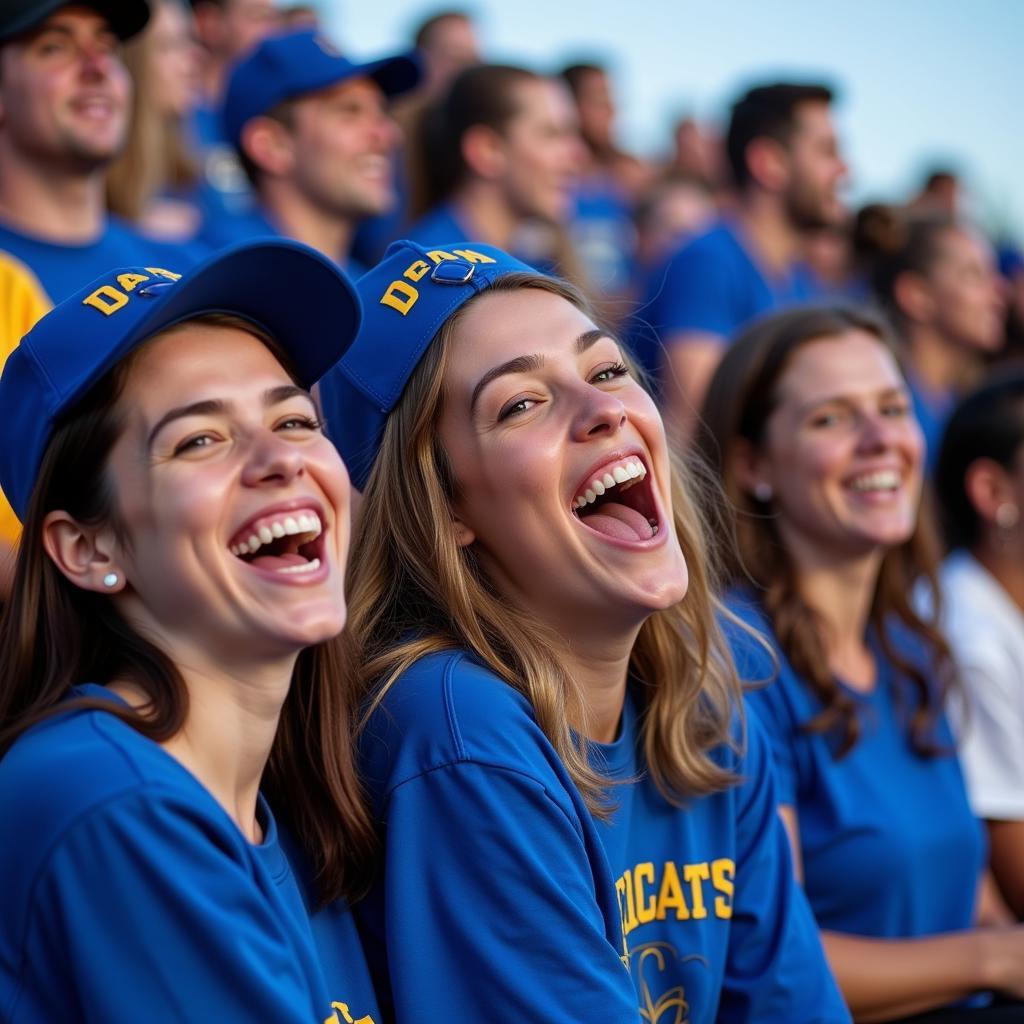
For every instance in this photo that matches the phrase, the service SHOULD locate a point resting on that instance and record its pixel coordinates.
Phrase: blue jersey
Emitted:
(439, 225)
(712, 285)
(129, 894)
(890, 846)
(502, 898)
(932, 411)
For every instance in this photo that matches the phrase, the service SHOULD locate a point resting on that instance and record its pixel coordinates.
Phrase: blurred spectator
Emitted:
(314, 135)
(936, 278)
(498, 153)
(601, 228)
(830, 257)
(676, 208)
(448, 43)
(979, 481)
(66, 98)
(296, 16)
(696, 153)
(784, 157)
(1011, 266)
(226, 30)
(940, 194)
(151, 180)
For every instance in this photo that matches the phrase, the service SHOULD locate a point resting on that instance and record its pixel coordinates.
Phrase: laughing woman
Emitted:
(811, 423)
(552, 747)
(170, 647)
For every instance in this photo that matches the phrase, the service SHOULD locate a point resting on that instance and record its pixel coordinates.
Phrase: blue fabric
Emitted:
(291, 64)
(711, 285)
(130, 894)
(438, 225)
(890, 846)
(501, 898)
(603, 233)
(63, 269)
(932, 412)
(406, 298)
(85, 335)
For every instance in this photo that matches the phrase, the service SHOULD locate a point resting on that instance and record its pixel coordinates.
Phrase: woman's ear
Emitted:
(988, 488)
(749, 470)
(84, 555)
(464, 536)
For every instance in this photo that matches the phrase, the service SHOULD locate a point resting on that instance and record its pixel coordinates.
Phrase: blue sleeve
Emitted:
(776, 969)
(696, 293)
(144, 912)
(490, 905)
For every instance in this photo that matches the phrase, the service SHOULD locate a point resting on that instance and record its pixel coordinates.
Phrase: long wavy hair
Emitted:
(415, 591)
(742, 396)
(54, 635)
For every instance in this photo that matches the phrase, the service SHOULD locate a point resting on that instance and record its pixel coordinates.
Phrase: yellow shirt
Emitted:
(23, 302)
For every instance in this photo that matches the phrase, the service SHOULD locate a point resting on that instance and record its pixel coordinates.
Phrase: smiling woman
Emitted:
(171, 649)
(553, 746)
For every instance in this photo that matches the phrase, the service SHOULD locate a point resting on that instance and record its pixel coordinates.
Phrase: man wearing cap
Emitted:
(64, 105)
(314, 135)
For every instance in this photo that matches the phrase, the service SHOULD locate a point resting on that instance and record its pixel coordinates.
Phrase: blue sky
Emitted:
(919, 80)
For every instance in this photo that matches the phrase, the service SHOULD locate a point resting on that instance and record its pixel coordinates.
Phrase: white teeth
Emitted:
(253, 542)
(294, 570)
(625, 472)
(304, 522)
(266, 536)
(883, 480)
(291, 526)
(277, 529)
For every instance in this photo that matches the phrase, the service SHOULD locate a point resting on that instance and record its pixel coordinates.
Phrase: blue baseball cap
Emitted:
(406, 298)
(298, 296)
(125, 17)
(296, 63)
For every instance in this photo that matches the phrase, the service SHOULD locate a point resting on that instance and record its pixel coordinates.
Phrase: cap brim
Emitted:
(299, 297)
(126, 17)
(394, 75)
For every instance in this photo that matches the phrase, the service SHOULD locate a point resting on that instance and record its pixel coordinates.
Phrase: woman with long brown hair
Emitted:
(553, 745)
(169, 660)
(810, 422)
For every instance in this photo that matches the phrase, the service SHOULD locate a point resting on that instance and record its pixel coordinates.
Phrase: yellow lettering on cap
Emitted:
(393, 297)
(473, 256)
(417, 270)
(439, 254)
(107, 299)
(129, 282)
(160, 272)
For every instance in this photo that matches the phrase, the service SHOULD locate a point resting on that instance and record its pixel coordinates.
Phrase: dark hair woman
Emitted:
(810, 422)
(170, 648)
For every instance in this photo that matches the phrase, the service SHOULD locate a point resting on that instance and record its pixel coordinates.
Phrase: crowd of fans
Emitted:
(826, 366)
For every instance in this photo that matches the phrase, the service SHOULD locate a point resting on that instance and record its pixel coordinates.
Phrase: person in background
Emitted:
(785, 161)
(313, 132)
(151, 182)
(498, 154)
(448, 43)
(941, 194)
(676, 208)
(554, 746)
(979, 483)
(226, 31)
(609, 184)
(170, 669)
(937, 280)
(809, 422)
(65, 98)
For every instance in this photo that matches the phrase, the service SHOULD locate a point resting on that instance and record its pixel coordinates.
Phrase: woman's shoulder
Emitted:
(444, 709)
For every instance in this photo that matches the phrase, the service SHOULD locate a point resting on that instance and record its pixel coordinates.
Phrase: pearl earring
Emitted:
(1007, 515)
(763, 491)
(111, 579)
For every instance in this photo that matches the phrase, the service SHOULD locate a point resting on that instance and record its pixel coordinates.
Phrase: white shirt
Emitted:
(986, 631)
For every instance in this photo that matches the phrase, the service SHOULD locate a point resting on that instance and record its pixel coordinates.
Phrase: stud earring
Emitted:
(763, 491)
(1007, 515)
(111, 579)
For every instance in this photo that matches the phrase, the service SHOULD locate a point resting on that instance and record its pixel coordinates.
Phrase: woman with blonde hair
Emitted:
(553, 747)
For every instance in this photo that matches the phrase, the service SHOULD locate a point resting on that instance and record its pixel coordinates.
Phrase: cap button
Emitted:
(452, 272)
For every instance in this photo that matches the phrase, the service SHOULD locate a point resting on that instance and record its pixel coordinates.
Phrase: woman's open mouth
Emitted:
(288, 543)
(617, 501)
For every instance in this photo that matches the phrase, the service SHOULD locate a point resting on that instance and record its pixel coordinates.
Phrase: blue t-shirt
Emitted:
(63, 269)
(439, 225)
(712, 285)
(890, 846)
(603, 233)
(227, 230)
(129, 894)
(502, 898)
(932, 411)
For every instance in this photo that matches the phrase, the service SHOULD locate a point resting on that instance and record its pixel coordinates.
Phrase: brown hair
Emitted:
(741, 398)
(415, 591)
(54, 635)
(155, 156)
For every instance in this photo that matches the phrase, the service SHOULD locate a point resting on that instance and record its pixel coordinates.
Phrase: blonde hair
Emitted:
(415, 591)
